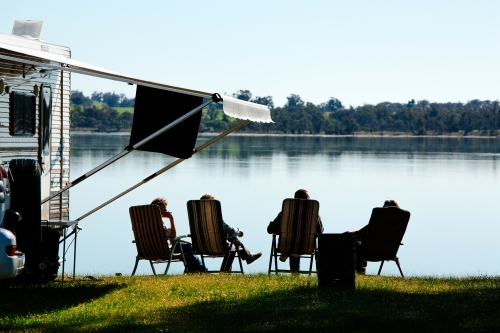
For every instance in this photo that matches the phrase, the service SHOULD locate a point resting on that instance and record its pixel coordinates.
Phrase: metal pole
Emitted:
(215, 98)
(74, 251)
(171, 165)
(64, 256)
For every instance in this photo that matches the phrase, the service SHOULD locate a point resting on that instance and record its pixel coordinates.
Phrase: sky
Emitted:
(358, 51)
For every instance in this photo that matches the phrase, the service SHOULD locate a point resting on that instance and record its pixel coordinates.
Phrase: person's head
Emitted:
(301, 194)
(391, 203)
(160, 201)
(207, 197)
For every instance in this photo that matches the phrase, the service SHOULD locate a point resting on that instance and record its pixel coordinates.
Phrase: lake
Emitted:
(450, 186)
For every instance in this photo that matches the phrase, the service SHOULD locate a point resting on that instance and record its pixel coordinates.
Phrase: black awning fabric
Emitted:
(156, 108)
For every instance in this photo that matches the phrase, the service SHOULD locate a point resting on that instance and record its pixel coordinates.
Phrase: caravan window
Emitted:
(22, 115)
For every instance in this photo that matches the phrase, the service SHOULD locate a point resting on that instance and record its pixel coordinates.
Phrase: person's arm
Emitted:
(274, 226)
(230, 230)
(361, 233)
(173, 231)
(320, 226)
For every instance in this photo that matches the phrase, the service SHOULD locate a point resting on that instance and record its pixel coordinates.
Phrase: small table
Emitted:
(64, 225)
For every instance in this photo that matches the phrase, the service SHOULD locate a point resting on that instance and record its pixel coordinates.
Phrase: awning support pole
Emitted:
(171, 165)
(129, 149)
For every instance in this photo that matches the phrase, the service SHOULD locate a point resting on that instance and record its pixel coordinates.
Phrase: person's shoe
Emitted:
(252, 257)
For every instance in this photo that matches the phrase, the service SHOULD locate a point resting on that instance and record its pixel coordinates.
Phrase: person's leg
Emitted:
(294, 264)
(193, 262)
(242, 250)
(227, 267)
(245, 253)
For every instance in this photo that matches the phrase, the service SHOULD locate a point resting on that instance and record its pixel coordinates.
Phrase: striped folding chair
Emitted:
(386, 229)
(150, 239)
(298, 233)
(208, 236)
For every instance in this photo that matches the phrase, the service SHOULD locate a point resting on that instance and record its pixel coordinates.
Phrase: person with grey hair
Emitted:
(194, 263)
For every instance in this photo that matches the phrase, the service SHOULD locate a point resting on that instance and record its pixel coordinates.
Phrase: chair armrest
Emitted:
(179, 237)
(133, 241)
(401, 244)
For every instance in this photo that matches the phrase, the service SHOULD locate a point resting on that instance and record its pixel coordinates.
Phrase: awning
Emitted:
(232, 107)
(246, 110)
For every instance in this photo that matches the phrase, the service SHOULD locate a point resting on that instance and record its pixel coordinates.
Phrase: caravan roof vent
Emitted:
(27, 28)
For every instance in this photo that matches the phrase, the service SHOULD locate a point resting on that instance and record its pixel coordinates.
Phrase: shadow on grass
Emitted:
(315, 310)
(38, 299)
(309, 309)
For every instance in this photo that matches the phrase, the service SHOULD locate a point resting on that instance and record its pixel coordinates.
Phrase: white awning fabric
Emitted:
(232, 107)
(246, 110)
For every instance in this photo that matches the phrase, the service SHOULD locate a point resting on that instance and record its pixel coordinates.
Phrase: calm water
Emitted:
(450, 186)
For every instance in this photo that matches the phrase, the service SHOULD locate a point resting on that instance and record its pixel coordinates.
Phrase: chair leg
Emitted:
(380, 269)
(241, 265)
(271, 256)
(311, 264)
(152, 267)
(275, 257)
(399, 266)
(168, 263)
(135, 267)
(203, 262)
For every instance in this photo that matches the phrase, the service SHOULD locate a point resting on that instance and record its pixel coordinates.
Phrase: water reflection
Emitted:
(244, 147)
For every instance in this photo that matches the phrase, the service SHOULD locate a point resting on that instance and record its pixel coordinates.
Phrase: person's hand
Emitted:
(169, 215)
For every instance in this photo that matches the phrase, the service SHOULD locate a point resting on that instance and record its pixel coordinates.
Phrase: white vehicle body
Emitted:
(11, 263)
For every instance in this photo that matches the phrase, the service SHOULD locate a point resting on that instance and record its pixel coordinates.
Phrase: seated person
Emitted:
(243, 251)
(274, 228)
(194, 264)
(360, 234)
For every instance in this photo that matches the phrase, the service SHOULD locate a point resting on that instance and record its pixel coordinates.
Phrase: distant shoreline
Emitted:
(361, 135)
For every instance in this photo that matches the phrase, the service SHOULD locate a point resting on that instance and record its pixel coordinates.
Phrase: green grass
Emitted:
(252, 303)
(124, 109)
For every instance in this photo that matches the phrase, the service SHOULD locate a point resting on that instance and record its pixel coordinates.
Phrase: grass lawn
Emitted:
(120, 109)
(252, 303)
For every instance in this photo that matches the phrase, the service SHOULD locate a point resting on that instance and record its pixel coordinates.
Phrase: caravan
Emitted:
(35, 87)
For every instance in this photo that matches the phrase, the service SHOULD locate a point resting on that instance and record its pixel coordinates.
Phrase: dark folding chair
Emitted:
(386, 229)
(298, 233)
(208, 236)
(150, 239)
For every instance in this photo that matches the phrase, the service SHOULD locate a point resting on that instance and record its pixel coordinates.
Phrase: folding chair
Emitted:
(298, 233)
(208, 236)
(150, 239)
(386, 229)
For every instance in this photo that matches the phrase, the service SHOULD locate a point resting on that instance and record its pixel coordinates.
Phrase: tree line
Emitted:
(300, 117)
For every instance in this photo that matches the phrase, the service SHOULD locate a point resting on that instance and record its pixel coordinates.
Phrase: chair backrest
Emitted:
(149, 233)
(298, 226)
(386, 229)
(206, 226)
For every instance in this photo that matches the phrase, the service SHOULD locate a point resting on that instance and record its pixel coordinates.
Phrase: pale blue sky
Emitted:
(357, 51)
